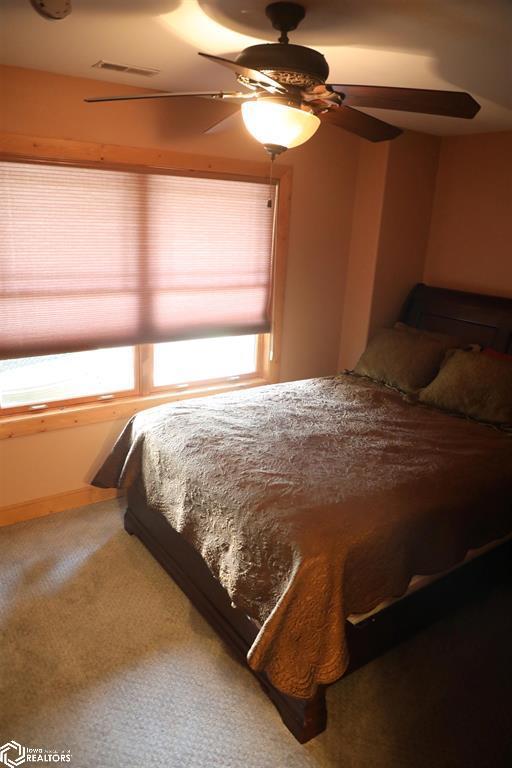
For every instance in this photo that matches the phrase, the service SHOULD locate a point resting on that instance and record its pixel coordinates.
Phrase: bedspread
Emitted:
(316, 499)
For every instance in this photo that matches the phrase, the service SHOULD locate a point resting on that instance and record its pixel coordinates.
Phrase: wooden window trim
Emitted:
(76, 412)
(92, 413)
(51, 405)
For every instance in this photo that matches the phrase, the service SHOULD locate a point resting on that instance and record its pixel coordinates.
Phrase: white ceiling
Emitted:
(445, 44)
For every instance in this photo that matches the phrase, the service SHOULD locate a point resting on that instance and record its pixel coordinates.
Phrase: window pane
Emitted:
(179, 362)
(32, 380)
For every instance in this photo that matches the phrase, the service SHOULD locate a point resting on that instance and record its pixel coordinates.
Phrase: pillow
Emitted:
(475, 385)
(499, 355)
(408, 361)
(448, 341)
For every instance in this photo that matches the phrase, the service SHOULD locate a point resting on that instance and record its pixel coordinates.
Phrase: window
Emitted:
(164, 278)
(38, 383)
(180, 362)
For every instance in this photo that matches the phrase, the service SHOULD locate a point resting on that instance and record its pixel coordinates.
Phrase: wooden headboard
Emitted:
(471, 317)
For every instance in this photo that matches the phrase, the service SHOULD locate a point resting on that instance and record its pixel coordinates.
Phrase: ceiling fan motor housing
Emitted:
(291, 65)
(52, 9)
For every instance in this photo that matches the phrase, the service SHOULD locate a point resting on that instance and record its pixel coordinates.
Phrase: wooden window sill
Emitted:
(19, 425)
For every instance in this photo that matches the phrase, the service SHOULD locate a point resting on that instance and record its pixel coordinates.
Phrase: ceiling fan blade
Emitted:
(224, 123)
(449, 103)
(168, 95)
(360, 123)
(251, 74)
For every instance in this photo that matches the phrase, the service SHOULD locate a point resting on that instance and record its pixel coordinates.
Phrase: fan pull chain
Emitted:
(269, 201)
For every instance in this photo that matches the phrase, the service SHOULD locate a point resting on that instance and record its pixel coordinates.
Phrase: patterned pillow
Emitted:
(408, 361)
(473, 384)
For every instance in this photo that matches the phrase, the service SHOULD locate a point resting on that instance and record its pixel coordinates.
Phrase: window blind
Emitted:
(97, 258)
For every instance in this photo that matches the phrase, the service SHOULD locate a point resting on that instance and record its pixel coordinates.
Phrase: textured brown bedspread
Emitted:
(316, 499)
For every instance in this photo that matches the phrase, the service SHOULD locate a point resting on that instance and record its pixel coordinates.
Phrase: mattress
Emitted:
(419, 582)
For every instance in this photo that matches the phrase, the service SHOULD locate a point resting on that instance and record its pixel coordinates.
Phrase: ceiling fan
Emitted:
(287, 95)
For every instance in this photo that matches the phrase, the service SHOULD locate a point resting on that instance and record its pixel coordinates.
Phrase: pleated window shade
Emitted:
(98, 258)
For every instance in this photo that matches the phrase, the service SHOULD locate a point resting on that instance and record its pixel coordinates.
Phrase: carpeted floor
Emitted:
(103, 655)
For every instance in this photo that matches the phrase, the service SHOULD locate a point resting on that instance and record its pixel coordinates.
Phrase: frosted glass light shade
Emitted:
(278, 124)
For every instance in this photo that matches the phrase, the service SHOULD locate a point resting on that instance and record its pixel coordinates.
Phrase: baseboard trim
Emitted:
(48, 505)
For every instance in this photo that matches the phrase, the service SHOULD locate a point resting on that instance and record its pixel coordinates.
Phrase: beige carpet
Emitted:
(103, 655)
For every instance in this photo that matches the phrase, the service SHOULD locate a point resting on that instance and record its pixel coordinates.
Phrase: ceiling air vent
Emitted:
(127, 68)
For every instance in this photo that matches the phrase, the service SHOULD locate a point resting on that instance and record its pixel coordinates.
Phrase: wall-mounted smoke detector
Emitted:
(52, 9)
(127, 68)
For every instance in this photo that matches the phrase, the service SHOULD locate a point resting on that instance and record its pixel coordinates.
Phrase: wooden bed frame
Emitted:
(485, 320)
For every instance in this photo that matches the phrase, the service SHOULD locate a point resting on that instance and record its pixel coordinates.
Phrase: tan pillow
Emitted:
(408, 361)
(474, 385)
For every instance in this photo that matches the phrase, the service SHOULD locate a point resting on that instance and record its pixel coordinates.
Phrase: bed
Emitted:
(295, 516)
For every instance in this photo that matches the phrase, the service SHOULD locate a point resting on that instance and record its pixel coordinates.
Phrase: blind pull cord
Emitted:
(269, 201)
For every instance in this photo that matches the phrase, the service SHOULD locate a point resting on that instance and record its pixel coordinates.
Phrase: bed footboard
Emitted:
(305, 719)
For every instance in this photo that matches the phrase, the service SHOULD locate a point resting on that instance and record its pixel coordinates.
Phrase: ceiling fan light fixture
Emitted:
(288, 87)
(275, 124)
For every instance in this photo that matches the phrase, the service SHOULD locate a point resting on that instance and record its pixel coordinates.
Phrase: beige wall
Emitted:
(52, 462)
(430, 209)
(363, 251)
(47, 105)
(406, 214)
(393, 200)
(471, 232)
